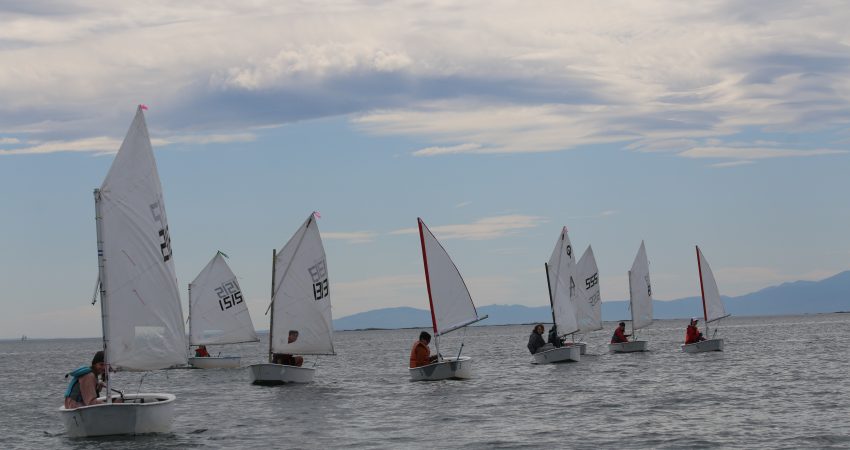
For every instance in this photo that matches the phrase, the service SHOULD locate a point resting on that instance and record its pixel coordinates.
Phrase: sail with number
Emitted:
(589, 303)
(451, 304)
(301, 298)
(713, 308)
(143, 319)
(562, 285)
(640, 290)
(217, 310)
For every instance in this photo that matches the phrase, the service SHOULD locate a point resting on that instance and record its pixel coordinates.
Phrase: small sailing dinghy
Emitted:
(640, 303)
(139, 298)
(218, 314)
(451, 309)
(300, 307)
(712, 308)
(563, 296)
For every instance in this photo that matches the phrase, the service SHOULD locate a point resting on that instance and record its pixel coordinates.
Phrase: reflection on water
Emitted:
(782, 382)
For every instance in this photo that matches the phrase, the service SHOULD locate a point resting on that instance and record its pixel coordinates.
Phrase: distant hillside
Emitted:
(800, 297)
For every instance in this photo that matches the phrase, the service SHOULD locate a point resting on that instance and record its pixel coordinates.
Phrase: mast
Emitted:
(104, 307)
(190, 316)
(427, 276)
(702, 292)
(631, 305)
(271, 318)
(549, 289)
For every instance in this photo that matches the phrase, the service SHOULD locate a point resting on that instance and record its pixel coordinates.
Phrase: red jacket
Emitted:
(420, 355)
(692, 335)
(619, 336)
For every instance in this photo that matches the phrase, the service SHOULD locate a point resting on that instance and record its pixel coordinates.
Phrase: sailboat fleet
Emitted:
(142, 319)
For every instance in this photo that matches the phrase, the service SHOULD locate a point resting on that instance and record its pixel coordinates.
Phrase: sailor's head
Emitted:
(622, 325)
(98, 366)
(293, 336)
(694, 320)
(425, 337)
(538, 328)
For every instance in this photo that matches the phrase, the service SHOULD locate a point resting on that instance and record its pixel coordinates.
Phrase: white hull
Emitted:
(215, 362)
(139, 414)
(449, 368)
(709, 345)
(627, 347)
(581, 345)
(570, 353)
(272, 374)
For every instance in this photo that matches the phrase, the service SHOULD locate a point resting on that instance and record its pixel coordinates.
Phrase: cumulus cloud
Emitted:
(468, 77)
(481, 229)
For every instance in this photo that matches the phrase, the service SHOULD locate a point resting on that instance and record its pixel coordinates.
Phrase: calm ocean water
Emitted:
(783, 382)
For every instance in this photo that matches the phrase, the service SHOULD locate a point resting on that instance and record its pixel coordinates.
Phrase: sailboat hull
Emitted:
(627, 347)
(582, 346)
(448, 369)
(139, 414)
(216, 362)
(273, 374)
(708, 345)
(571, 353)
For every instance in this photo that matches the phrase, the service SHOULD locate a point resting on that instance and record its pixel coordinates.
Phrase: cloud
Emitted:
(104, 144)
(352, 237)
(481, 229)
(752, 153)
(480, 78)
(463, 204)
(7, 141)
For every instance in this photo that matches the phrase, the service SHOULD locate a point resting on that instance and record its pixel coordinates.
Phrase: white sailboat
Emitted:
(218, 314)
(712, 308)
(301, 303)
(451, 309)
(563, 296)
(640, 302)
(140, 301)
(589, 301)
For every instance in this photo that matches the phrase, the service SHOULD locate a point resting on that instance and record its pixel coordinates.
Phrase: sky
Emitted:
(723, 124)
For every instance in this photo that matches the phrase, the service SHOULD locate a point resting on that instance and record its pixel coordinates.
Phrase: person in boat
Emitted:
(620, 334)
(420, 354)
(535, 340)
(201, 352)
(84, 387)
(285, 358)
(554, 339)
(692, 333)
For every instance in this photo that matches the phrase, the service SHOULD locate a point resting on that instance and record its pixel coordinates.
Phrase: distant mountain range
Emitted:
(799, 297)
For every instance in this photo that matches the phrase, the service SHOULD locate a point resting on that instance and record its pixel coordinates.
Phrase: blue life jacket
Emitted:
(75, 377)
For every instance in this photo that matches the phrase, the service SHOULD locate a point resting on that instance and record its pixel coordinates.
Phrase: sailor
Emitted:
(420, 354)
(84, 388)
(201, 352)
(535, 340)
(620, 334)
(285, 358)
(554, 339)
(692, 334)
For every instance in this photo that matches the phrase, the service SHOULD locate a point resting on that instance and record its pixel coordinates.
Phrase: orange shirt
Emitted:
(419, 355)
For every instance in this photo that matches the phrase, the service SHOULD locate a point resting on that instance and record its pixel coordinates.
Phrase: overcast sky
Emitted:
(723, 124)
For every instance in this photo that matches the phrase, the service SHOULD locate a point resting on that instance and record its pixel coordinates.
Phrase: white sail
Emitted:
(711, 300)
(589, 303)
(144, 324)
(562, 284)
(217, 310)
(301, 300)
(451, 304)
(640, 290)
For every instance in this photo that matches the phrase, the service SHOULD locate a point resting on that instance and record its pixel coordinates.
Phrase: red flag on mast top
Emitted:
(143, 106)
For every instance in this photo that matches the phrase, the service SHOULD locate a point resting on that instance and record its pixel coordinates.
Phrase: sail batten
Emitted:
(640, 290)
(218, 313)
(301, 301)
(144, 326)
(450, 301)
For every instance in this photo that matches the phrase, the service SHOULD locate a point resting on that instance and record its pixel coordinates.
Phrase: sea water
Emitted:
(782, 382)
